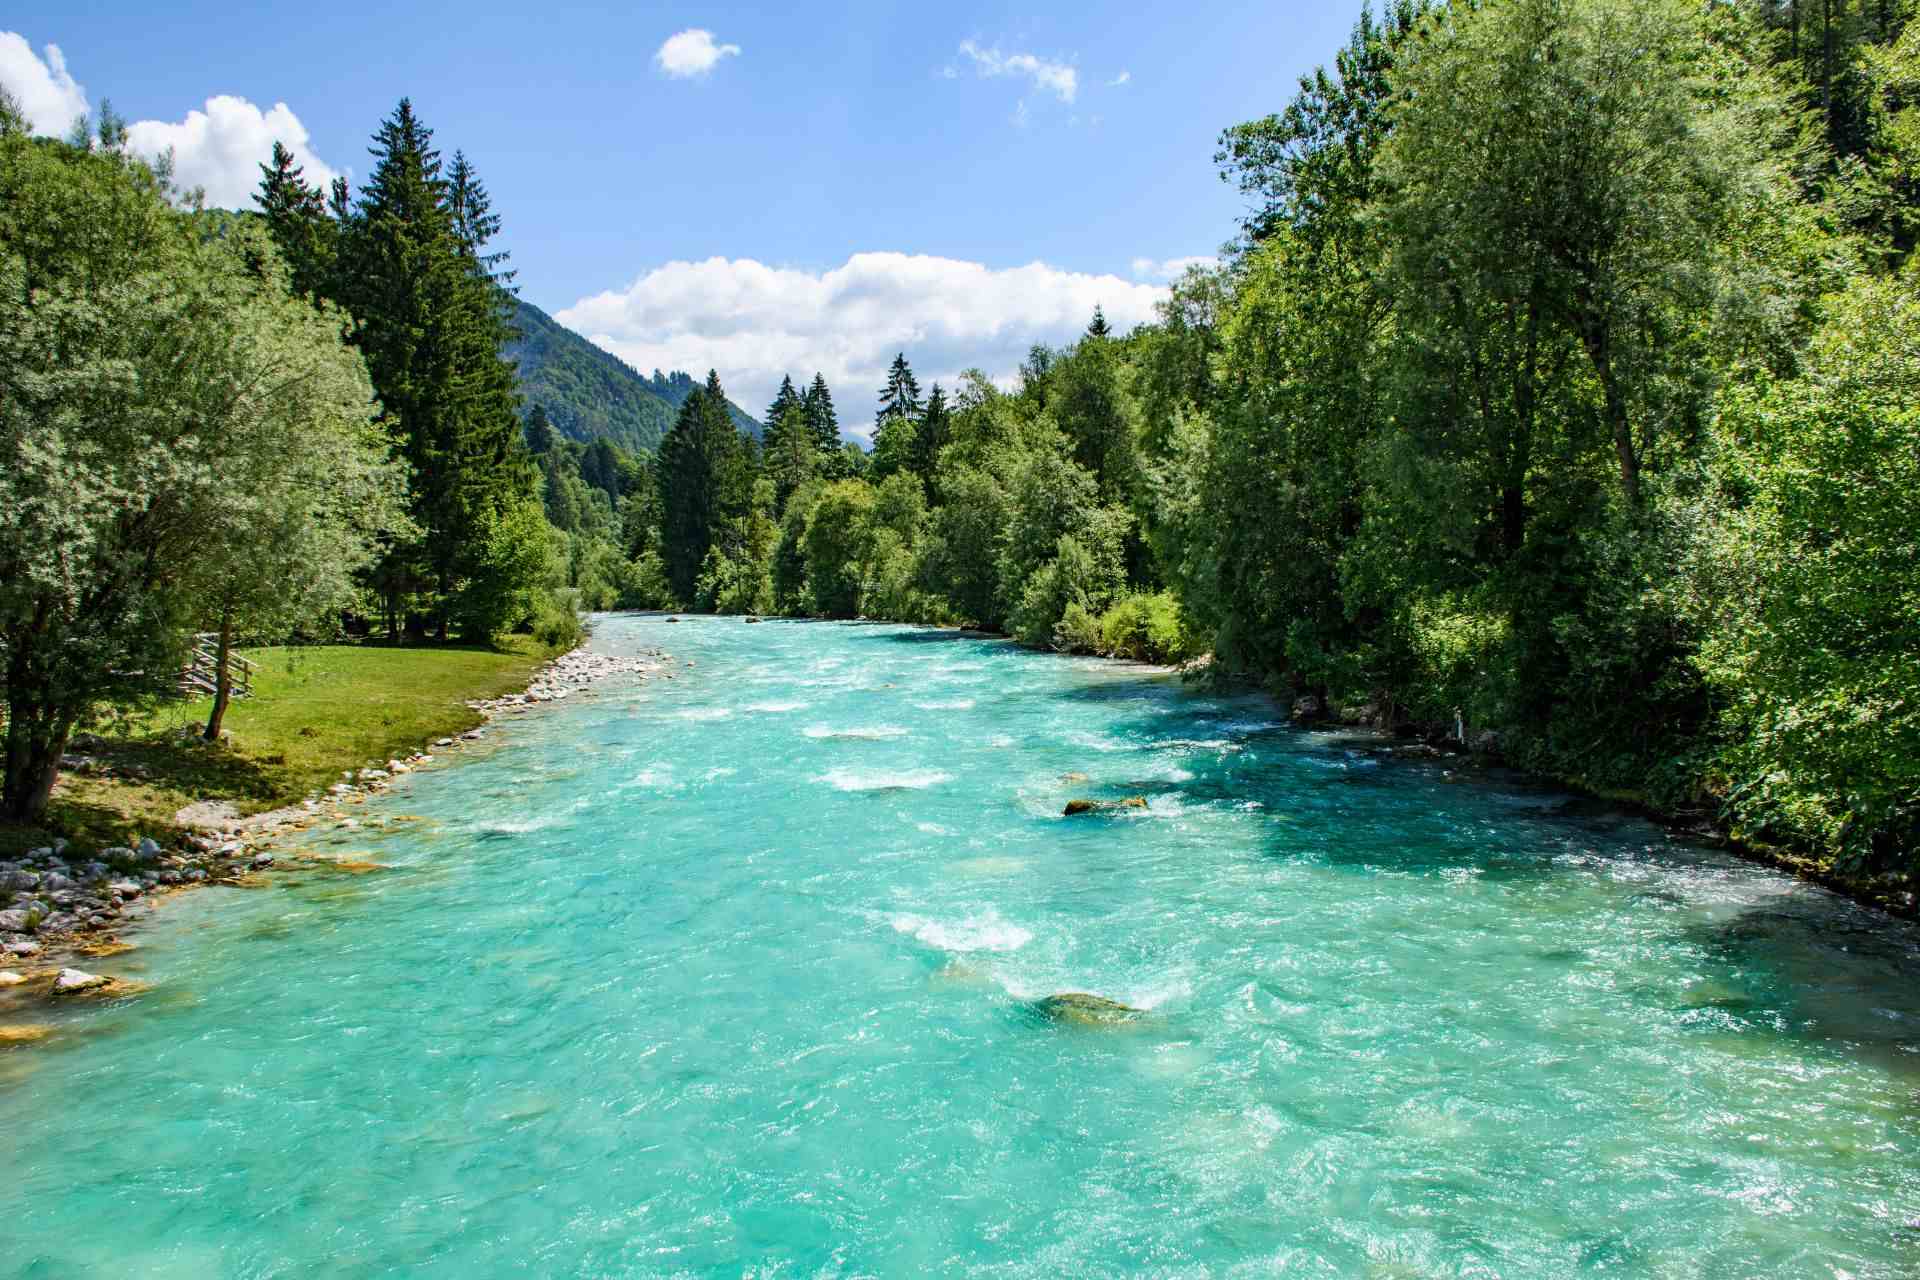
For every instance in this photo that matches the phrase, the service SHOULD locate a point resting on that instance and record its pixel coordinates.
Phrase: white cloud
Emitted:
(222, 148)
(1056, 78)
(219, 149)
(47, 92)
(1120, 79)
(755, 323)
(1169, 268)
(692, 53)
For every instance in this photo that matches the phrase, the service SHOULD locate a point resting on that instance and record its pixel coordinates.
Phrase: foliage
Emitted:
(1810, 583)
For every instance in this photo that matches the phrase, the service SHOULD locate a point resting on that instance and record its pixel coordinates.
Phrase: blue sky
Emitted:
(848, 181)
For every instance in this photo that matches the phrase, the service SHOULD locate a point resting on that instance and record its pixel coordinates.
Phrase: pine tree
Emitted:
(784, 399)
(413, 271)
(821, 419)
(935, 430)
(1098, 327)
(704, 479)
(900, 398)
(296, 218)
(540, 434)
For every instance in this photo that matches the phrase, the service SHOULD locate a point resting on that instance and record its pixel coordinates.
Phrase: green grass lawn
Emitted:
(315, 711)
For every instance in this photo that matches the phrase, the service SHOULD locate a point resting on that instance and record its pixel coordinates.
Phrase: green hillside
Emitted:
(592, 394)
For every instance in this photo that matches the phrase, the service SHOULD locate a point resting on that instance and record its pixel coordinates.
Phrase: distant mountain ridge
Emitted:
(591, 394)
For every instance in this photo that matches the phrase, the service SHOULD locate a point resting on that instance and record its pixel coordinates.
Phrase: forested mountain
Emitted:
(590, 394)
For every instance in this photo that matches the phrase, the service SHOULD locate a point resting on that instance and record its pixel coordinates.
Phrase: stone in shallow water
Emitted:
(1076, 807)
(78, 980)
(18, 1033)
(1079, 1009)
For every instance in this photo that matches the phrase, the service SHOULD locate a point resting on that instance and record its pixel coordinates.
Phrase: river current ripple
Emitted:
(734, 975)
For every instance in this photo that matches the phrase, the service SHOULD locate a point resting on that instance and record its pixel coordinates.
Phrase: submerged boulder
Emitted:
(1079, 1009)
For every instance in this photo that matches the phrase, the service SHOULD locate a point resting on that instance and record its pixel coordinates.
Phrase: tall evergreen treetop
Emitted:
(821, 419)
(296, 217)
(784, 399)
(1098, 327)
(900, 398)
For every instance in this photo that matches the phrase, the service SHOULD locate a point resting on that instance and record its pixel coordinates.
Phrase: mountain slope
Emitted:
(589, 393)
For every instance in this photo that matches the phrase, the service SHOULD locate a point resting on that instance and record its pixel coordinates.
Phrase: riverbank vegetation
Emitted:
(1556, 394)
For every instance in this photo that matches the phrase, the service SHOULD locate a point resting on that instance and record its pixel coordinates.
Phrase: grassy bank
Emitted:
(315, 712)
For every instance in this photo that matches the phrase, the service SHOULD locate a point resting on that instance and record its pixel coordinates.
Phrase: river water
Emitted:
(735, 974)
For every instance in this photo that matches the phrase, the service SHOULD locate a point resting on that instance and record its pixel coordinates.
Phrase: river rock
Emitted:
(261, 861)
(17, 920)
(126, 888)
(147, 850)
(21, 947)
(1079, 1009)
(8, 978)
(72, 980)
(1076, 807)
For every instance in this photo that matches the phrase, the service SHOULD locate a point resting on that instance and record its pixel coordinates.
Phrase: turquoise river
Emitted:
(734, 975)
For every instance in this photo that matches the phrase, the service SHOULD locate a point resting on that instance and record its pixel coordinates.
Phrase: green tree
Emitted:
(147, 375)
(414, 271)
(296, 216)
(704, 482)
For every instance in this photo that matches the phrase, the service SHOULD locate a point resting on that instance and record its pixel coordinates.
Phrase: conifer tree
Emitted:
(540, 434)
(296, 217)
(704, 477)
(821, 419)
(900, 398)
(433, 317)
(935, 430)
(783, 400)
(1098, 327)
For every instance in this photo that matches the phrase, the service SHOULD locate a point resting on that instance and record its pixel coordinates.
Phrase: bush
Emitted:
(1078, 631)
(1146, 628)
(558, 627)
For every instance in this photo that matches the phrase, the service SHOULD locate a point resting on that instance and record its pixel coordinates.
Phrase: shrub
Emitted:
(1146, 628)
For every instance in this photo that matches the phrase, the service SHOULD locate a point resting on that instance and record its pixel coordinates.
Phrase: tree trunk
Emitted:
(35, 743)
(1600, 350)
(222, 679)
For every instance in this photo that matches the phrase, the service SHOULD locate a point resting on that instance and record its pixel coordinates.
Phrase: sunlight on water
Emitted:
(736, 974)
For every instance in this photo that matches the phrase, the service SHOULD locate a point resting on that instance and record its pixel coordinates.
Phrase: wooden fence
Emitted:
(200, 677)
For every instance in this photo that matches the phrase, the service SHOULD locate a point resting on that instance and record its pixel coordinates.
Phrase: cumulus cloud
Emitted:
(219, 149)
(692, 53)
(222, 148)
(1057, 78)
(755, 323)
(46, 91)
(1169, 268)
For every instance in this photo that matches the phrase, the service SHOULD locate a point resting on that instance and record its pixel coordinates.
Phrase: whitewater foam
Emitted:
(705, 713)
(883, 779)
(776, 708)
(984, 932)
(874, 733)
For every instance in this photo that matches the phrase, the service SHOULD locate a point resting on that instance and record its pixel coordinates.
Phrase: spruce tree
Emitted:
(1098, 327)
(413, 270)
(540, 434)
(821, 419)
(900, 398)
(936, 429)
(704, 478)
(783, 400)
(296, 217)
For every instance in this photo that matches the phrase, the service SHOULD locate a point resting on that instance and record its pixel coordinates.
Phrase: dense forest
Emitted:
(1555, 397)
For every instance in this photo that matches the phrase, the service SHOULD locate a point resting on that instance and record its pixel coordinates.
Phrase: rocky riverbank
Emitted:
(58, 903)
